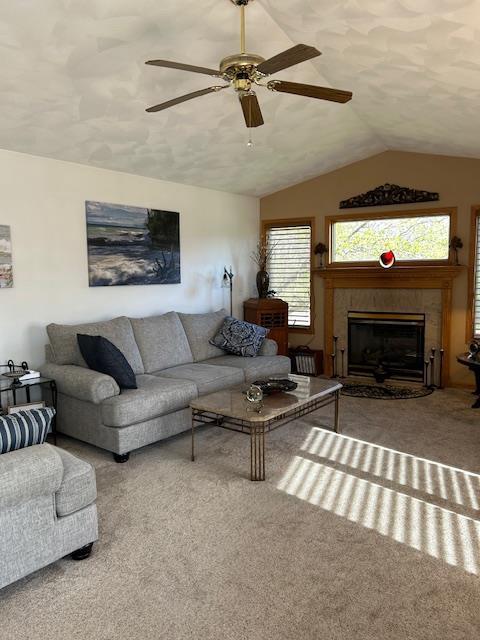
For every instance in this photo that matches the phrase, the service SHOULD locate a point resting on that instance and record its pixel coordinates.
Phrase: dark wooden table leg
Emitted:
(476, 371)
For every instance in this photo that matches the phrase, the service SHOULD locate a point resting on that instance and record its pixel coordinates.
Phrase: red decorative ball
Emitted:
(387, 259)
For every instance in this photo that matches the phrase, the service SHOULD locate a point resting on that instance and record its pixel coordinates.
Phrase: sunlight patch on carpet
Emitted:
(434, 530)
(450, 483)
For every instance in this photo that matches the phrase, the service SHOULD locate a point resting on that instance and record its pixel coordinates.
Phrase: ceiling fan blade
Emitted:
(290, 57)
(188, 96)
(251, 110)
(185, 67)
(310, 91)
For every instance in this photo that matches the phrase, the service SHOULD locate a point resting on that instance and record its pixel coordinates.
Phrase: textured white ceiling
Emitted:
(73, 85)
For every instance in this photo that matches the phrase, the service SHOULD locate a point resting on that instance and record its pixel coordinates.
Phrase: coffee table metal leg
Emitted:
(257, 453)
(337, 412)
(193, 436)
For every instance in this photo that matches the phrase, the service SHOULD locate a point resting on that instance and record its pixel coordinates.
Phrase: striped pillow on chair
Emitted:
(25, 428)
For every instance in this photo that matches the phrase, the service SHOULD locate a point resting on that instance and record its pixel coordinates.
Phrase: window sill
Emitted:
(294, 329)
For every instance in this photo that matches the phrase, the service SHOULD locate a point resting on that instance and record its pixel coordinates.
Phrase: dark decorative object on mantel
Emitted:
(456, 243)
(387, 259)
(261, 256)
(320, 250)
(389, 194)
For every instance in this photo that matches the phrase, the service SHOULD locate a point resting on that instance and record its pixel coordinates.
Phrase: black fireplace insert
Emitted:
(390, 343)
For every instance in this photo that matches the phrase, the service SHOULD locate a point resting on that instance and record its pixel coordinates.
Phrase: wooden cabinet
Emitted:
(271, 313)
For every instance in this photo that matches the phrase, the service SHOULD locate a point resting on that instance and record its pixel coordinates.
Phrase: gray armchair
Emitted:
(47, 509)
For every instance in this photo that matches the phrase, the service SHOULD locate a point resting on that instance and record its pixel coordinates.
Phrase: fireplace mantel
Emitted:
(399, 277)
(428, 276)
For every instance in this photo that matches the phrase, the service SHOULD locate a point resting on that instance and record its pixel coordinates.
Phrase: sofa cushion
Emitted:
(162, 341)
(200, 328)
(154, 397)
(103, 356)
(254, 368)
(78, 488)
(63, 338)
(207, 377)
(240, 338)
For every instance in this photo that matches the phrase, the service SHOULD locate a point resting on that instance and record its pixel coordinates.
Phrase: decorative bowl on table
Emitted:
(14, 375)
(273, 385)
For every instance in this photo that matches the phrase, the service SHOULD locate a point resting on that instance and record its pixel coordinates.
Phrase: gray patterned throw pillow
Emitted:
(239, 337)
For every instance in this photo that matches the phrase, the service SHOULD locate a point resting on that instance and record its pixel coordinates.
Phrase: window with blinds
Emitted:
(290, 269)
(476, 280)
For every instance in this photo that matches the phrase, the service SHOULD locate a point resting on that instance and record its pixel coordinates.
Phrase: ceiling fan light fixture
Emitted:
(243, 70)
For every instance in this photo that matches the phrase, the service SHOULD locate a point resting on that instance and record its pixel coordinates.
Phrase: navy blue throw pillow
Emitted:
(103, 356)
(239, 337)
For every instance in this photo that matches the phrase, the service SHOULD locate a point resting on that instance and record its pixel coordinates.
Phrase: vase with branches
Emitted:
(261, 255)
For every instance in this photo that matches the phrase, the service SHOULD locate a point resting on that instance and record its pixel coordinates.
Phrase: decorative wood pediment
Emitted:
(389, 194)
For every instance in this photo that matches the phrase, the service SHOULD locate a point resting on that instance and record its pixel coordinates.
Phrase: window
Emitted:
(473, 317)
(412, 236)
(290, 267)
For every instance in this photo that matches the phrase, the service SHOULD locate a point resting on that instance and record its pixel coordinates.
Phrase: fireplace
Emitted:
(393, 342)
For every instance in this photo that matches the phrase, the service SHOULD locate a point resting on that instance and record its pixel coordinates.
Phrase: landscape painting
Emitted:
(6, 270)
(132, 245)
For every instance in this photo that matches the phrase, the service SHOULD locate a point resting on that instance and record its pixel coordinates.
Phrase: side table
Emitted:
(6, 387)
(473, 365)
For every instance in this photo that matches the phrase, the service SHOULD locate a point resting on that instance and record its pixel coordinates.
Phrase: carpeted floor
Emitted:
(374, 534)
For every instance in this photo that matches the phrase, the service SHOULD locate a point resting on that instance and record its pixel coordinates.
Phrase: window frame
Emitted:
(296, 222)
(472, 259)
(387, 215)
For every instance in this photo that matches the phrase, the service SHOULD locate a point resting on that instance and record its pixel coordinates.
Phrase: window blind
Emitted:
(289, 268)
(476, 301)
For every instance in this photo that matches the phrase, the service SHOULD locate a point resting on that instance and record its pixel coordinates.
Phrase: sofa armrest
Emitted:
(29, 473)
(268, 348)
(81, 383)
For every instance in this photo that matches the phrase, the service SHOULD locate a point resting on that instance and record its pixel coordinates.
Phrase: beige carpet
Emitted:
(345, 539)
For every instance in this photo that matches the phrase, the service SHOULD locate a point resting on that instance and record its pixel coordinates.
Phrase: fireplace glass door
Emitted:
(394, 342)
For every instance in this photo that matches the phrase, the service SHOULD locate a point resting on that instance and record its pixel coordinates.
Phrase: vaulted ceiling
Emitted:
(73, 85)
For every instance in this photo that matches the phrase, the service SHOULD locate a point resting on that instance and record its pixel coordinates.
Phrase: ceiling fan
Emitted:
(244, 70)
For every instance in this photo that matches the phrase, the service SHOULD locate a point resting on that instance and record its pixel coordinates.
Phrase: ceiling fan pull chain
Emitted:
(250, 141)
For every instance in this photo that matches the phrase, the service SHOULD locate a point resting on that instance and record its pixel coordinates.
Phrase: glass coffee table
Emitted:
(231, 410)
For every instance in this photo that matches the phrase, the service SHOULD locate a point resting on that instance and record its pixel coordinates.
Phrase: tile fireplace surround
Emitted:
(403, 289)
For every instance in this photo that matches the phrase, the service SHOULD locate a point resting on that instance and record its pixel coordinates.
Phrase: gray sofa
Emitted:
(173, 363)
(47, 509)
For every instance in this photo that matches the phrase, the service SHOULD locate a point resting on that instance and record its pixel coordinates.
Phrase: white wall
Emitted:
(43, 201)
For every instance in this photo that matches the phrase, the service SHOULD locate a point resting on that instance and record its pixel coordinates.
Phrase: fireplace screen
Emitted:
(393, 341)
